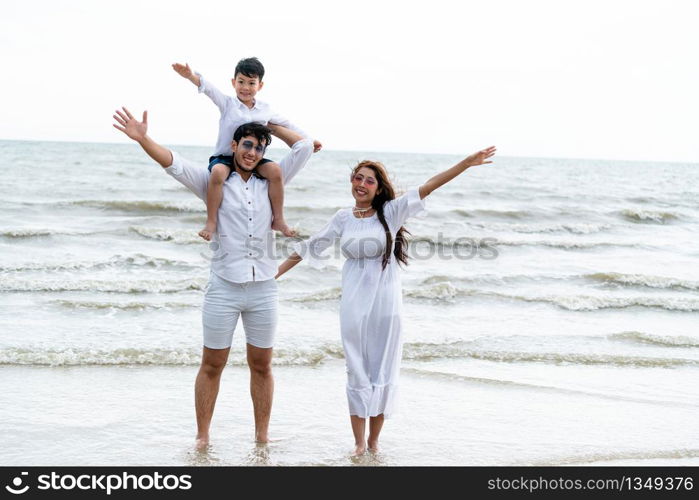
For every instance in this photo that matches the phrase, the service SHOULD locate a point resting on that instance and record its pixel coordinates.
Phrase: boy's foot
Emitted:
(281, 226)
(208, 231)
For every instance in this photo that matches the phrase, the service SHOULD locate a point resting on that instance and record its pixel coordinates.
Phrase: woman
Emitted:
(373, 240)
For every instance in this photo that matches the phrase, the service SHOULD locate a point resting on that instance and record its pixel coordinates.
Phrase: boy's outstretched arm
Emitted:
(186, 72)
(287, 135)
(281, 121)
(138, 132)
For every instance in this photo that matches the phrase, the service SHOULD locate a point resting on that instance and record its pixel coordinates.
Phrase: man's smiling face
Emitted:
(248, 152)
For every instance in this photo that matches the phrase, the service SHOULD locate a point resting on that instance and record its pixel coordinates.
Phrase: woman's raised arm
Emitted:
(478, 158)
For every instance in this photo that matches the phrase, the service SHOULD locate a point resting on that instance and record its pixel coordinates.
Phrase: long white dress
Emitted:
(372, 301)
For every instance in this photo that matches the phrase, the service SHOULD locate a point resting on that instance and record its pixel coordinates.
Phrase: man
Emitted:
(242, 272)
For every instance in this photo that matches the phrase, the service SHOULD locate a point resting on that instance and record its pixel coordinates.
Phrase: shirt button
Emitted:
(250, 235)
(250, 218)
(248, 203)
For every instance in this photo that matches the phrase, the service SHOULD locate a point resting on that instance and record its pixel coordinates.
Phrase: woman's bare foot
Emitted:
(359, 449)
(373, 446)
(279, 224)
(202, 443)
(208, 231)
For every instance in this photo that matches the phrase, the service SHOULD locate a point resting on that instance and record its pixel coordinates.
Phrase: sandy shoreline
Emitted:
(144, 416)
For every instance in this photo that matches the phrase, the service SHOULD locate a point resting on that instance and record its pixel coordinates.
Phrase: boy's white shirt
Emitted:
(234, 114)
(245, 246)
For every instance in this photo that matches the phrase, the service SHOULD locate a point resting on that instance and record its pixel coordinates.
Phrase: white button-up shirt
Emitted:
(245, 238)
(234, 114)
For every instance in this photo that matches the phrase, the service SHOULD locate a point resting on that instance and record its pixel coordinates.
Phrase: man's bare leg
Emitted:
(273, 173)
(375, 425)
(261, 389)
(206, 390)
(214, 195)
(358, 428)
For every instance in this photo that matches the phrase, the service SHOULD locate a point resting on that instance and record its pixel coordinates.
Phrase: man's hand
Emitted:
(480, 157)
(183, 70)
(317, 146)
(131, 126)
(137, 131)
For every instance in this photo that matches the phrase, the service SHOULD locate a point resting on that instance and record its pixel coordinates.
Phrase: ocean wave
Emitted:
(33, 233)
(123, 306)
(328, 294)
(492, 241)
(624, 280)
(580, 228)
(648, 216)
(137, 205)
(314, 355)
(539, 387)
(661, 340)
(447, 291)
(644, 280)
(419, 351)
(504, 214)
(154, 357)
(180, 236)
(617, 456)
(591, 303)
(563, 244)
(135, 286)
(116, 261)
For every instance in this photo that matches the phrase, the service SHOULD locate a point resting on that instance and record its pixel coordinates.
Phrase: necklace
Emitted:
(361, 211)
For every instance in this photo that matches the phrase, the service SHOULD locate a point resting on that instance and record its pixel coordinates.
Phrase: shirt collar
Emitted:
(258, 105)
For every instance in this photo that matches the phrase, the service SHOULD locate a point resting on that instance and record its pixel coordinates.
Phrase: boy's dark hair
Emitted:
(257, 130)
(250, 67)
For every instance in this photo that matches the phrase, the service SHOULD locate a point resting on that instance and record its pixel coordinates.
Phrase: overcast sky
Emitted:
(578, 79)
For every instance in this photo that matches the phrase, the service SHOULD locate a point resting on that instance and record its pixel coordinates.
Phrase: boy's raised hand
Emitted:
(183, 70)
(131, 126)
(317, 146)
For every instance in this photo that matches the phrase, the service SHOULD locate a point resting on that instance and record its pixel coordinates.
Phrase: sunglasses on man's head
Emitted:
(249, 145)
(358, 178)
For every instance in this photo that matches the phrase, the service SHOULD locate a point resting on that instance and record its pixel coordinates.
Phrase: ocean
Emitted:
(551, 312)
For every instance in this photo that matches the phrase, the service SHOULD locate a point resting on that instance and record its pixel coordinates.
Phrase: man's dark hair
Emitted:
(250, 67)
(257, 130)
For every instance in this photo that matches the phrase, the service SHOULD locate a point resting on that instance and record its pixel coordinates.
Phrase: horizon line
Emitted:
(367, 151)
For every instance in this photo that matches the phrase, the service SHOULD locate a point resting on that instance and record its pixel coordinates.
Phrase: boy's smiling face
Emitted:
(246, 87)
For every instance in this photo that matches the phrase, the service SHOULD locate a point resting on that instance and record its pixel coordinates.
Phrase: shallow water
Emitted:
(585, 321)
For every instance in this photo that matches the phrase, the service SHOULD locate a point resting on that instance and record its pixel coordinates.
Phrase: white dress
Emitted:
(372, 300)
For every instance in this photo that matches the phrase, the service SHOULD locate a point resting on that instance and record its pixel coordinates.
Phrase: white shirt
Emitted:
(244, 231)
(234, 114)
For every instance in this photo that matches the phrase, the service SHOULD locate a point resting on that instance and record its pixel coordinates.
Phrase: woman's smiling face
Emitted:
(364, 185)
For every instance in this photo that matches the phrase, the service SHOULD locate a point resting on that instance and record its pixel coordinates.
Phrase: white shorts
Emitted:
(225, 301)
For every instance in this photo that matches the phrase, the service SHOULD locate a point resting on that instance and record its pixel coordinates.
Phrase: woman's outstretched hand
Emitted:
(480, 157)
(131, 126)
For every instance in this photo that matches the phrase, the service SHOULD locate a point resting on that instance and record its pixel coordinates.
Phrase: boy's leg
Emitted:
(273, 173)
(214, 195)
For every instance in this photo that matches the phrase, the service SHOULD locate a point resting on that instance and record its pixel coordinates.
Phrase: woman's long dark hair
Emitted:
(384, 193)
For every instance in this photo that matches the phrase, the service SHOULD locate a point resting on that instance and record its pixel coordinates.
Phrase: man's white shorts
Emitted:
(256, 301)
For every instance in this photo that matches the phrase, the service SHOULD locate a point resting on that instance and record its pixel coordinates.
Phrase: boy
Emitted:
(247, 81)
